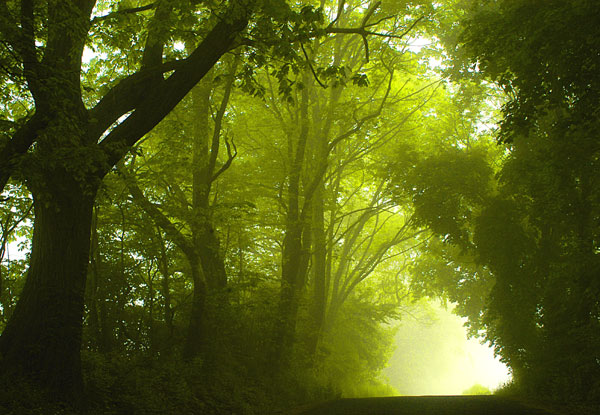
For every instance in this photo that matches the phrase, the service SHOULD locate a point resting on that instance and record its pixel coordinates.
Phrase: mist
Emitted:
(247, 207)
(433, 356)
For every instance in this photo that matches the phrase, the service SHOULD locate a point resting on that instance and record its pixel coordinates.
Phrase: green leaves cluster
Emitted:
(546, 64)
(517, 229)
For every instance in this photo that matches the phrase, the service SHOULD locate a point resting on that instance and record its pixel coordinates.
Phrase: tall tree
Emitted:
(76, 130)
(548, 69)
(71, 140)
(198, 239)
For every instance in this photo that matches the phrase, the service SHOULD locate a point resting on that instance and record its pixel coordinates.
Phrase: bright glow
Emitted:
(484, 369)
(415, 45)
(434, 357)
(89, 54)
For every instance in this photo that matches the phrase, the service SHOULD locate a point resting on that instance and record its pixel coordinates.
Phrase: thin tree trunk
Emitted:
(205, 154)
(163, 265)
(319, 269)
(320, 286)
(196, 336)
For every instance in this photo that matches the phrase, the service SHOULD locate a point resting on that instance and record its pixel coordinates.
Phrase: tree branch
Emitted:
(363, 32)
(25, 46)
(230, 157)
(157, 34)
(165, 95)
(117, 13)
(340, 11)
(369, 13)
(156, 215)
(18, 145)
(214, 149)
(309, 62)
(363, 120)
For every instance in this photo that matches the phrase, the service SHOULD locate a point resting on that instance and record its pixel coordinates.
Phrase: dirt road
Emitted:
(423, 405)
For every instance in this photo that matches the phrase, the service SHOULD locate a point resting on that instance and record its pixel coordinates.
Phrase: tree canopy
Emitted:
(223, 206)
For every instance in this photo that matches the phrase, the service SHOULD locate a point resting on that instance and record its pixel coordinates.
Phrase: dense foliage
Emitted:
(518, 231)
(220, 159)
(221, 204)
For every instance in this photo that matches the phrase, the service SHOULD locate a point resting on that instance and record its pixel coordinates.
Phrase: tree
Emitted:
(547, 69)
(81, 119)
(198, 240)
(517, 234)
(542, 66)
(70, 139)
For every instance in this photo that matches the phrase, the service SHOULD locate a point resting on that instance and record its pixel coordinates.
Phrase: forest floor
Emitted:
(426, 405)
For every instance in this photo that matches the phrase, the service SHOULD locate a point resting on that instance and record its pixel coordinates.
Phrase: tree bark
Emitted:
(296, 243)
(203, 234)
(196, 336)
(42, 340)
(320, 293)
(320, 251)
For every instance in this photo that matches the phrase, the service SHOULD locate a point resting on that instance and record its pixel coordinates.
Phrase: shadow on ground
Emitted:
(423, 405)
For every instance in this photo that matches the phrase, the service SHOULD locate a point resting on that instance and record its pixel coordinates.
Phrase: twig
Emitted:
(311, 67)
(230, 157)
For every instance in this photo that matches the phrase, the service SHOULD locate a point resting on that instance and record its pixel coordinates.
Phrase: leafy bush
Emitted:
(477, 389)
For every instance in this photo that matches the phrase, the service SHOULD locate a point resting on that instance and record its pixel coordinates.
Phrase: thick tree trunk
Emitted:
(293, 279)
(204, 238)
(43, 338)
(296, 243)
(93, 286)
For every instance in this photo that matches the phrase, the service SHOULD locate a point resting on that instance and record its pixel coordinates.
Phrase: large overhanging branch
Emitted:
(165, 95)
(126, 95)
